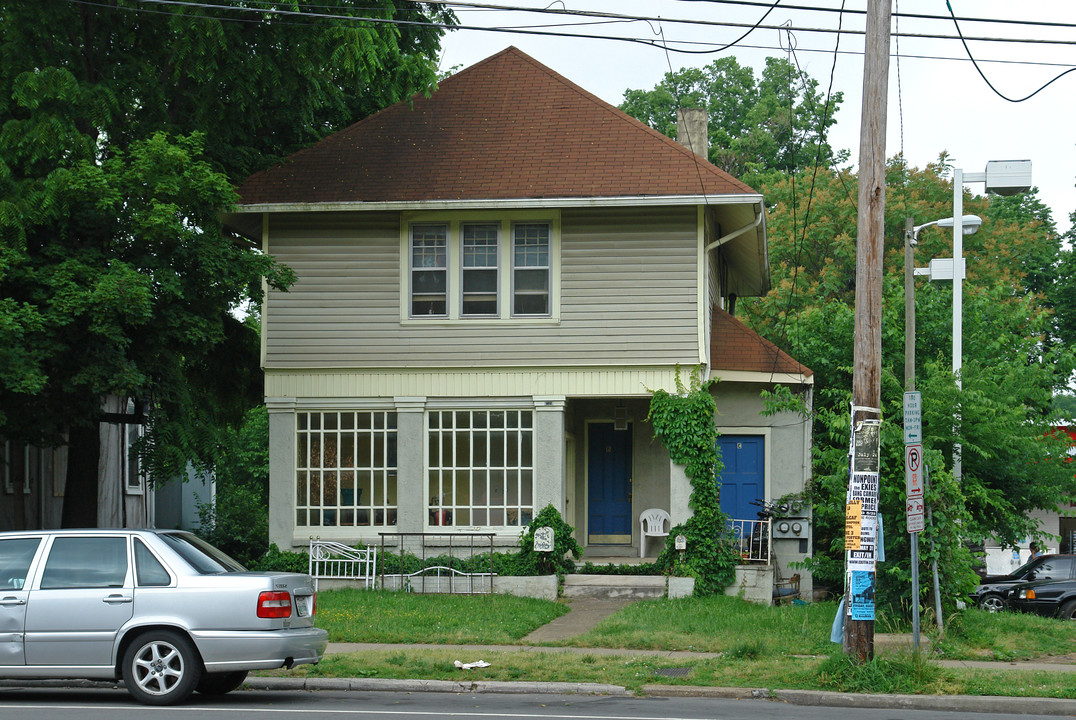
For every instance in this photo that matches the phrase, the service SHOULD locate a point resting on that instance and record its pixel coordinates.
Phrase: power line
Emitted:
(918, 16)
(585, 13)
(703, 47)
(986, 79)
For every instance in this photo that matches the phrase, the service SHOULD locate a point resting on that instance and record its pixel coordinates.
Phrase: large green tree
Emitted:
(123, 128)
(1013, 360)
(1019, 317)
(760, 127)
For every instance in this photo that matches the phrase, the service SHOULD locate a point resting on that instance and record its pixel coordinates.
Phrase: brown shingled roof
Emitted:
(505, 128)
(734, 346)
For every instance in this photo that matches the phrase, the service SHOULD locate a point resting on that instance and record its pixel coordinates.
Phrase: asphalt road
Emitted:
(107, 704)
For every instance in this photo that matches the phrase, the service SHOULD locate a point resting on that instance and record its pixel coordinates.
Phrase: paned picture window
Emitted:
(429, 270)
(479, 267)
(481, 468)
(346, 469)
(530, 269)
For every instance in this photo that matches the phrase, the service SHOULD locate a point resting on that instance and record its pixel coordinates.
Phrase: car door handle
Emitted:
(12, 601)
(117, 599)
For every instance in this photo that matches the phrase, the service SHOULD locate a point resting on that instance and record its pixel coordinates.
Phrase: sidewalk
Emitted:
(585, 613)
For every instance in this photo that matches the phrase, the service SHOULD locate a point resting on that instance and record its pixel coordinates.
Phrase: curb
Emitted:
(813, 698)
(449, 686)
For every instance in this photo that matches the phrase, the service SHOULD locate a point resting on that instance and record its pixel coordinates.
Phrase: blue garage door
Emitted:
(743, 478)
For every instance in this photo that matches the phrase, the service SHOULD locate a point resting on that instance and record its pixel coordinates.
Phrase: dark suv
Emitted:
(990, 595)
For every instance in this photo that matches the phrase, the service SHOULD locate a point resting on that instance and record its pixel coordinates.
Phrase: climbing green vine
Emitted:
(684, 422)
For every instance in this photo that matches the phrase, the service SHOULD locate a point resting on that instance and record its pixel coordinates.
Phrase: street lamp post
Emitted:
(1007, 177)
(1002, 177)
(943, 269)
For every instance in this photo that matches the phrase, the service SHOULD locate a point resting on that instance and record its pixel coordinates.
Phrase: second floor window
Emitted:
(530, 269)
(429, 270)
(495, 268)
(480, 243)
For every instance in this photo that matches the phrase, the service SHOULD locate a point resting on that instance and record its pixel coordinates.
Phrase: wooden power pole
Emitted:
(867, 369)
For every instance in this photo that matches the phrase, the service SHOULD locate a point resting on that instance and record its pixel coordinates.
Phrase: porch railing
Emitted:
(440, 558)
(752, 539)
(335, 561)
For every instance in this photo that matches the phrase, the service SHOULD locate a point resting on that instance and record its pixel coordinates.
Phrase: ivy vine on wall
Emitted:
(684, 423)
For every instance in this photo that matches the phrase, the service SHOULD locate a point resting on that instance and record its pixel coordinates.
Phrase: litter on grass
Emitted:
(471, 665)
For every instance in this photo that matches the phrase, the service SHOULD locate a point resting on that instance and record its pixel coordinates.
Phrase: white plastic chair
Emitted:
(652, 524)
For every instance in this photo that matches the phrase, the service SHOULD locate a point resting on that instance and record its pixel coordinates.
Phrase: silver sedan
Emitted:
(163, 610)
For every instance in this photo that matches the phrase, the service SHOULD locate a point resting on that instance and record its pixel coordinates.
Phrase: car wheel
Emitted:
(221, 683)
(1068, 610)
(991, 603)
(161, 667)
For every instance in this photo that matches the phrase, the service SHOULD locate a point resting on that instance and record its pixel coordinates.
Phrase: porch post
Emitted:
(411, 496)
(281, 471)
(549, 475)
(679, 494)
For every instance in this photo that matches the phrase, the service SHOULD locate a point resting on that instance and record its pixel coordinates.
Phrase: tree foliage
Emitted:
(122, 131)
(1013, 360)
(759, 127)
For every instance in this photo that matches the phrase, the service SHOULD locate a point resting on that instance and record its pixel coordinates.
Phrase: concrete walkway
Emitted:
(584, 615)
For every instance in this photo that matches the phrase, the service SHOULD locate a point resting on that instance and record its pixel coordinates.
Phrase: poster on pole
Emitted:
(862, 595)
(853, 522)
(866, 448)
(863, 493)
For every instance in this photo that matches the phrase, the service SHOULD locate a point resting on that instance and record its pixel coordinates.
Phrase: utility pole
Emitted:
(860, 580)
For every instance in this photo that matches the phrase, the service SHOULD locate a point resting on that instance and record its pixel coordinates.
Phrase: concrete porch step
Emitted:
(625, 587)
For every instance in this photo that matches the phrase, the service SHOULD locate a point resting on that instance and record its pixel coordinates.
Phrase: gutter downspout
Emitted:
(759, 215)
(737, 233)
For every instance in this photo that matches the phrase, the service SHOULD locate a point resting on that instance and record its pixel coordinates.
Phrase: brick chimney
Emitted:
(692, 130)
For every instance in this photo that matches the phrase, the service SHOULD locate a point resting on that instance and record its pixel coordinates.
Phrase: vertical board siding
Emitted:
(627, 296)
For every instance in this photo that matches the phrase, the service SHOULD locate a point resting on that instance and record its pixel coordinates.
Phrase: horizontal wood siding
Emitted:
(628, 296)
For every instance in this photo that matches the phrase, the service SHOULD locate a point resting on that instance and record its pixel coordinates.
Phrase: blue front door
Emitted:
(743, 477)
(608, 484)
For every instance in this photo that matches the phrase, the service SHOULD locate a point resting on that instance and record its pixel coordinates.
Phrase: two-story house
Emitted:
(491, 282)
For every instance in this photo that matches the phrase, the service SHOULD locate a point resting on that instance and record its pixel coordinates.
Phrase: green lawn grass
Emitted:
(377, 616)
(715, 624)
(753, 646)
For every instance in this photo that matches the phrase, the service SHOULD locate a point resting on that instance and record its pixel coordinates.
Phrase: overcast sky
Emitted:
(935, 104)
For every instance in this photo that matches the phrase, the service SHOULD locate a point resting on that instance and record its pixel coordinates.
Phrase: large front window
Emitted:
(346, 469)
(481, 468)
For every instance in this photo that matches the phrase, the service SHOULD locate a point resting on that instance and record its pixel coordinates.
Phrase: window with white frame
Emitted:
(479, 266)
(480, 468)
(530, 269)
(429, 270)
(346, 469)
(484, 267)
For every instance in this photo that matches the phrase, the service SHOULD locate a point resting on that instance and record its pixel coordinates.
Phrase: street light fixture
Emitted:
(969, 225)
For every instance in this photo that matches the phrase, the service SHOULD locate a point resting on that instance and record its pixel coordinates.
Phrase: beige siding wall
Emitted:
(628, 295)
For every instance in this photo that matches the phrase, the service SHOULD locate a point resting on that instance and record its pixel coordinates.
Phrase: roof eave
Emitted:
(514, 203)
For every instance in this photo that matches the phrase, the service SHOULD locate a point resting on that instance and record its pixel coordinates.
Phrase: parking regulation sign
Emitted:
(914, 514)
(913, 470)
(913, 418)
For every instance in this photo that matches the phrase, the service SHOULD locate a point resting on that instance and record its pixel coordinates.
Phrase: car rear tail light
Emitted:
(274, 604)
